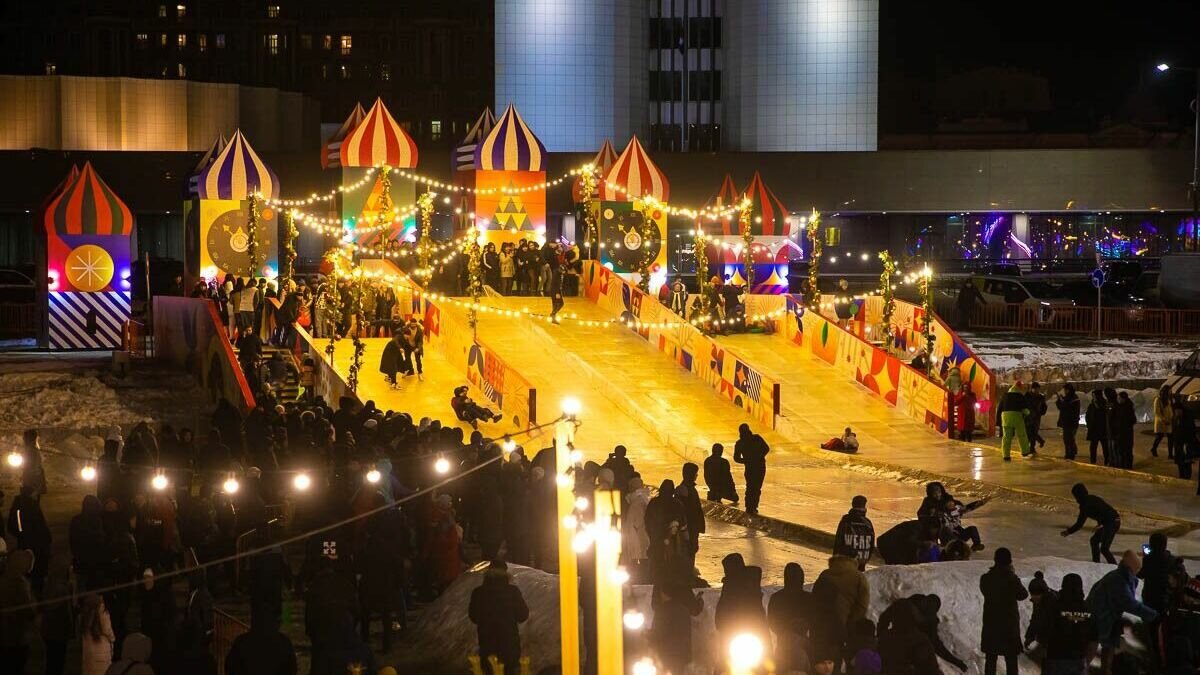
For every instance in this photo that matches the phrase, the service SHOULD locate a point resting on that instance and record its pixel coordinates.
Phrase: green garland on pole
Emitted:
(699, 249)
(589, 218)
(889, 295)
(252, 236)
(813, 228)
(358, 282)
(425, 243)
(646, 230)
(474, 278)
(925, 287)
(384, 214)
(287, 268)
(330, 302)
(744, 212)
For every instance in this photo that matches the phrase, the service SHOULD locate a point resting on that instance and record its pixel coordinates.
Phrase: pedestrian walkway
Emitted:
(633, 395)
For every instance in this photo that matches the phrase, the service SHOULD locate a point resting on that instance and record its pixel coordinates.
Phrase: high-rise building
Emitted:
(741, 75)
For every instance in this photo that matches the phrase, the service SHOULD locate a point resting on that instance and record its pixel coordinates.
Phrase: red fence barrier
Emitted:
(1082, 320)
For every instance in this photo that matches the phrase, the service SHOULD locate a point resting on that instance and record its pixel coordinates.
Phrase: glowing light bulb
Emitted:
(159, 482)
(15, 459)
(571, 406)
(581, 503)
(231, 485)
(619, 576)
(582, 541)
(745, 652)
(301, 482)
(563, 480)
(442, 465)
(373, 476)
(88, 473)
(570, 522)
(634, 620)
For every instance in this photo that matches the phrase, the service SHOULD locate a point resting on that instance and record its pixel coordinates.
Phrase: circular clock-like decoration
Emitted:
(633, 240)
(228, 241)
(89, 268)
(608, 214)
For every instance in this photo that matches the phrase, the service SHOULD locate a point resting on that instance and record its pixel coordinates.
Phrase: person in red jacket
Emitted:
(964, 414)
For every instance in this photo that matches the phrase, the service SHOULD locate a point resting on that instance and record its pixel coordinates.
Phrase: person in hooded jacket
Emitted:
(903, 544)
(904, 648)
(86, 534)
(674, 605)
(58, 616)
(381, 567)
(1043, 600)
(1067, 402)
(497, 608)
(331, 604)
(263, 650)
(1114, 595)
(1013, 411)
(855, 536)
(1108, 522)
(96, 635)
(1096, 419)
(922, 610)
(1071, 631)
(1002, 591)
(718, 476)
(635, 540)
(792, 613)
(740, 606)
(751, 452)
(136, 650)
(662, 510)
(27, 523)
(1157, 566)
(693, 512)
(1122, 420)
(844, 594)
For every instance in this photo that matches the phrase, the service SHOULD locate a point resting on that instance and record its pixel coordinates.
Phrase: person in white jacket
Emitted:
(635, 541)
(96, 634)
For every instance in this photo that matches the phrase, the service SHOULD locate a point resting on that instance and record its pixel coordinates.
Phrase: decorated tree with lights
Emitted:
(744, 215)
(425, 242)
(252, 235)
(646, 230)
(813, 230)
(287, 265)
(358, 284)
(588, 182)
(330, 300)
(699, 250)
(925, 288)
(474, 277)
(888, 293)
(384, 215)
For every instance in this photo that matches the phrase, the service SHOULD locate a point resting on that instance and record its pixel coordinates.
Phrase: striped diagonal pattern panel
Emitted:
(87, 320)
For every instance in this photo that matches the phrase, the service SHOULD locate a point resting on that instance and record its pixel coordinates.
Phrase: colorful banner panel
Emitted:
(189, 334)
(503, 386)
(507, 214)
(361, 207)
(883, 374)
(622, 243)
(224, 239)
(949, 350)
(87, 320)
(723, 369)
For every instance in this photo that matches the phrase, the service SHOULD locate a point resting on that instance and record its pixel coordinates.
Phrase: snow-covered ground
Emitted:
(1014, 356)
(75, 404)
(443, 637)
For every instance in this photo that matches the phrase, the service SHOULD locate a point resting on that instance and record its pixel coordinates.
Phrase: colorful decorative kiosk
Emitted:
(775, 237)
(227, 225)
(633, 217)
(88, 232)
(510, 170)
(377, 141)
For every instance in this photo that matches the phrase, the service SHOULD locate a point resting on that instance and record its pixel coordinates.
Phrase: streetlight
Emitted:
(1195, 184)
(745, 653)
(571, 407)
(15, 459)
(301, 482)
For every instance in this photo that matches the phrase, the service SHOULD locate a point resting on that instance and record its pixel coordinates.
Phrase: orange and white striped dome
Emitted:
(634, 176)
(379, 139)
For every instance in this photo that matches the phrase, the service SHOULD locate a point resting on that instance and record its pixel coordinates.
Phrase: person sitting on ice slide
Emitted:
(1014, 408)
(953, 512)
(469, 411)
(848, 443)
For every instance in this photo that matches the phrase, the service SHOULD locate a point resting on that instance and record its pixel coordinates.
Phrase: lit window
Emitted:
(220, 40)
(202, 42)
(306, 40)
(344, 70)
(162, 39)
(385, 72)
(162, 14)
(273, 11)
(435, 130)
(327, 42)
(347, 43)
(324, 71)
(51, 68)
(181, 40)
(180, 11)
(181, 70)
(272, 41)
(143, 39)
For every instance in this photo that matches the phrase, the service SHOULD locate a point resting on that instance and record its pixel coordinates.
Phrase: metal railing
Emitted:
(1130, 321)
(226, 629)
(19, 318)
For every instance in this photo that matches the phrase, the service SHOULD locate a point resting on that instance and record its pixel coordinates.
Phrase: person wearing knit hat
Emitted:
(1113, 596)
(1013, 410)
(1001, 635)
(1043, 599)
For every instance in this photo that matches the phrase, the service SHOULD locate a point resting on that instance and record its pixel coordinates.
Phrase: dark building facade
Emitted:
(430, 61)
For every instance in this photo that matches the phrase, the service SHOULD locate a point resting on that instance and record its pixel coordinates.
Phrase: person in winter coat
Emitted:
(964, 414)
(135, 656)
(344, 652)
(392, 359)
(751, 452)
(497, 608)
(1157, 566)
(1162, 422)
(693, 512)
(635, 539)
(381, 566)
(932, 506)
(1071, 631)
(904, 648)
(1013, 412)
(1067, 402)
(1183, 430)
(1043, 600)
(331, 604)
(1035, 401)
(1121, 422)
(792, 612)
(262, 650)
(855, 536)
(621, 467)
(1096, 419)
(740, 606)
(922, 610)
(1002, 591)
(96, 635)
(58, 616)
(902, 544)
(441, 547)
(1112, 596)
(718, 477)
(674, 605)
(27, 523)
(1107, 519)
(508, 268)
(87, 540)
(414, 347)
(843, 593)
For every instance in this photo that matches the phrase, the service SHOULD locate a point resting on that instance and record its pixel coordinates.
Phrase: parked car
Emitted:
(16, 288)
(1016, 290)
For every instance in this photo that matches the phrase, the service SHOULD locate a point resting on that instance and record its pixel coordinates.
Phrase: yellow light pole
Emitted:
(568, 575)
(610, 581)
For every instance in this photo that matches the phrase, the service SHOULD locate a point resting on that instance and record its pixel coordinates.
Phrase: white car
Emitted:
(1019, 291)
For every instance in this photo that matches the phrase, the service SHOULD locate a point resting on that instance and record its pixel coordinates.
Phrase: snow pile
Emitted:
(1070, 358)
(444, 636)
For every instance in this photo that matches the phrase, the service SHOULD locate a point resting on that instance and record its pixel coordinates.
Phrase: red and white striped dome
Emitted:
(379, 139)
(634, 176)
(768, 214)
(603, 161)
(725, 197)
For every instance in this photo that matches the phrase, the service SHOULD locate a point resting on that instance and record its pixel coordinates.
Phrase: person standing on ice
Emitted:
(497, 609)
(855, 537)
(693, 512)
(1013, 411)
(1107, 519)
(1113, 596)
(1067, 403)
(1162, 422)
(1002, 590)
(1035, 402)
(751, 452)
(718, 477)
(1096, 420)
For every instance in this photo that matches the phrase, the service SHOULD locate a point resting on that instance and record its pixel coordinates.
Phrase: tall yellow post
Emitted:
(610, 652)
(568, 575)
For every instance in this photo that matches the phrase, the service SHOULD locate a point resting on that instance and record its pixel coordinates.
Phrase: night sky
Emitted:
(1097, 59)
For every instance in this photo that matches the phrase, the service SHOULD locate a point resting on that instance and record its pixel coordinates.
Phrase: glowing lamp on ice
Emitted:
(15, 459)
(88, 473)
